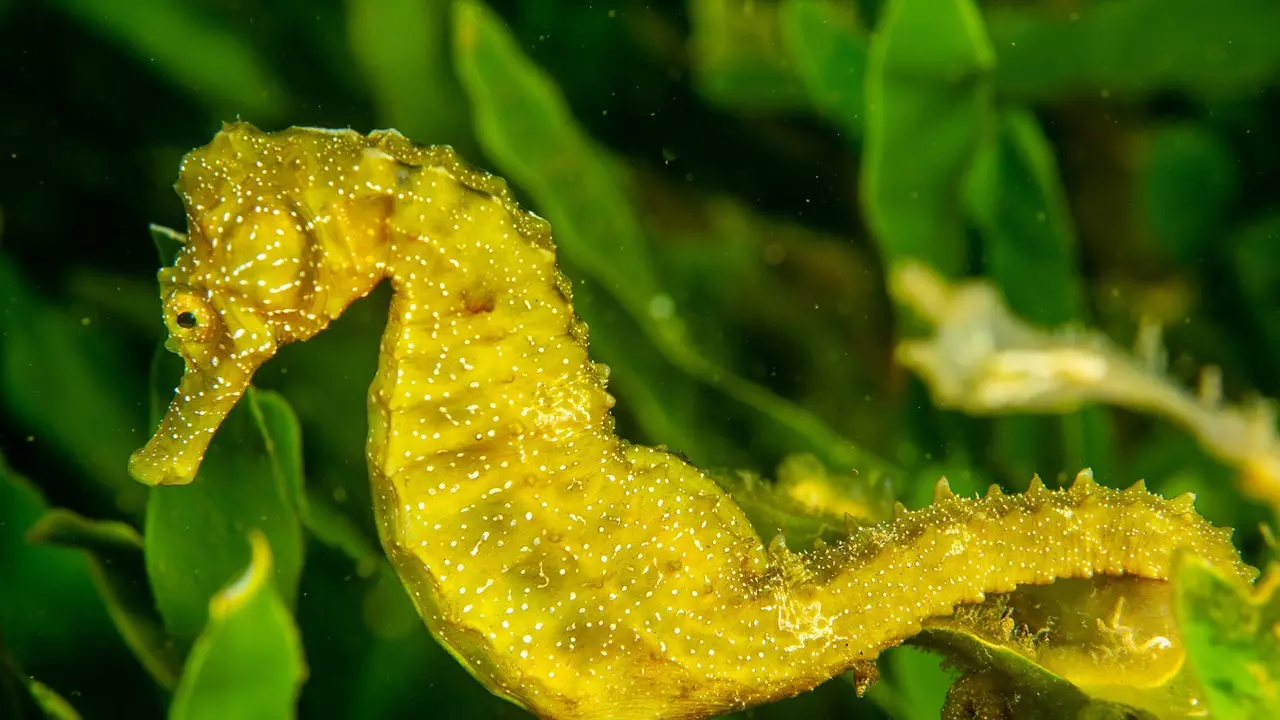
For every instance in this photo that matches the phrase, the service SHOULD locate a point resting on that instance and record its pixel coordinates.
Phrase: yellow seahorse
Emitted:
(571, 572)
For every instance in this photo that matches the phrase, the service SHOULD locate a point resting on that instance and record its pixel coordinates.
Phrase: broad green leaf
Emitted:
(116, 565)
(1230, 631)
(1029, 246)
(913, 684)
(524, 123)
(929, 107)
(248, 662)
(738, 55)
(283, 436)
(403, 48)
(829, 49)
(195, 534)
(1137, 47)
(51, 360)
(190, 50)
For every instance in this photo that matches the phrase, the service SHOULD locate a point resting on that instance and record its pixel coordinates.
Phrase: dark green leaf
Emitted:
(524, 123)
(114, 553)
(279, 426)
(1021, 211)
(1259, 276)
(57, 610)
(829, 49)
(248, 662)
(913, 684)
(929, 108)
(1188, 180)
(220, 67)
(1137, 47)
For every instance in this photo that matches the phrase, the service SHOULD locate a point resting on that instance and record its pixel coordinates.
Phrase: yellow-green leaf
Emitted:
(1232, 635)
(248, 662)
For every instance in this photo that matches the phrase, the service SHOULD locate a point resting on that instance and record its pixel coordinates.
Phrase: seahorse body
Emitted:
(571, 572)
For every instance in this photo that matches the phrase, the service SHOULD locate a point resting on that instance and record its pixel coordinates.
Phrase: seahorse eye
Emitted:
(190, 318)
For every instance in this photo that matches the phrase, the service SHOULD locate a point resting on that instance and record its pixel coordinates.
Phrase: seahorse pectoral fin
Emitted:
(203, 399)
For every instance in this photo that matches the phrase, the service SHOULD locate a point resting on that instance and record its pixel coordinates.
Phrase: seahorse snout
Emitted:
(202, 401)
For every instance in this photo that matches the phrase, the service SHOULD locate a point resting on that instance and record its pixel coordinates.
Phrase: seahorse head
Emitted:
(256, 272)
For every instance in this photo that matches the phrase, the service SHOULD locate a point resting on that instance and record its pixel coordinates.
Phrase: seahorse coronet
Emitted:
(570, 571)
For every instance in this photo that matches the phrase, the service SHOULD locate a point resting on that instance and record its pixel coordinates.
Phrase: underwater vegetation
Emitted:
(771, 366)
